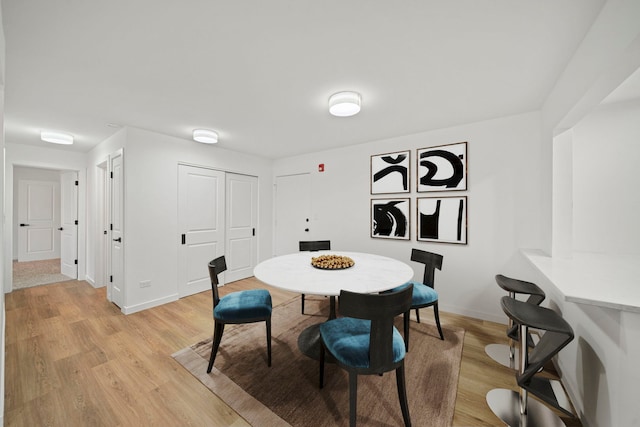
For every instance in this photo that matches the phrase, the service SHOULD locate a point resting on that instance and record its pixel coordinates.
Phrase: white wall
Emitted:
(24, 173)
(606, 200)
(151, 235)
(503, 206)
(2, 228)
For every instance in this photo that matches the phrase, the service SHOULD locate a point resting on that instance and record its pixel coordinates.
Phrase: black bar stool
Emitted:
(516, 409)
(506, 354)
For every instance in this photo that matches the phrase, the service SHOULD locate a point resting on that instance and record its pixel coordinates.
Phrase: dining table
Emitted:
(370, 273)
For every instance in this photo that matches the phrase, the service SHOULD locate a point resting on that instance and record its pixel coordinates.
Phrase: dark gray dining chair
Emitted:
(424, 294)
(365, 342)
(313, 245)
(249, 306)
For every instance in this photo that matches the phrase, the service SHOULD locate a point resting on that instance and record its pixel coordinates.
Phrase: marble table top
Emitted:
(370, 274)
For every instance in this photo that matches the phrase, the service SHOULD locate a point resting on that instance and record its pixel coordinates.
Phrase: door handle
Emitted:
(24, 225)
(60, 228)
(119, 239)
(306, 229)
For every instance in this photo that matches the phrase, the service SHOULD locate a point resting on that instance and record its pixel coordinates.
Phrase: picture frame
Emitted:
(391, 218)
(442, 168)
(442, 219)
(390, 172)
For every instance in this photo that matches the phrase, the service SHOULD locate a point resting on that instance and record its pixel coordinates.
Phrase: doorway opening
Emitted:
(44, 226)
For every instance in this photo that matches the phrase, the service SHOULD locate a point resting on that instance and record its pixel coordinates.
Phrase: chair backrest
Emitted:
(431, 261)
(315, 245)
(216, 266)
(381, 310)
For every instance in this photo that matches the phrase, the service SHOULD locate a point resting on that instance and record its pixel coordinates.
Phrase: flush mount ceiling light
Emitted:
(344, 104)
(56, 138)
(205, 136)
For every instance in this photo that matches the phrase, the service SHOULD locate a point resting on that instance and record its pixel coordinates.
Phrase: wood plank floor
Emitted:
(72, 358)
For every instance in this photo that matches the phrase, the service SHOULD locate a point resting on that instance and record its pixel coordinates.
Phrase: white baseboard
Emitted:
(149, 304)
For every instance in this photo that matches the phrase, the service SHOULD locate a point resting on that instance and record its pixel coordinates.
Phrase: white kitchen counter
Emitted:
(595, 279)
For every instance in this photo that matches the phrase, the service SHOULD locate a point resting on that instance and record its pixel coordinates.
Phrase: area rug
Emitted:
(287, 393)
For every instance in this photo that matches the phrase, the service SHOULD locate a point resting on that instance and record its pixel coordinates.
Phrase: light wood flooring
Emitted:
(72, 358)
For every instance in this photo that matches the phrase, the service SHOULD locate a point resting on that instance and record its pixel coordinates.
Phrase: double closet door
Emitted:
(217, 215)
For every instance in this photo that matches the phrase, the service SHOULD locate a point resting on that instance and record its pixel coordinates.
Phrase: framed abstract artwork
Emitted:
(390, 218)
(442, 168)
(390, 172)
(442, 219)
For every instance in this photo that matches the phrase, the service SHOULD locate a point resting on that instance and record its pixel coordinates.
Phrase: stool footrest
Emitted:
(515, 335)
(551, 392)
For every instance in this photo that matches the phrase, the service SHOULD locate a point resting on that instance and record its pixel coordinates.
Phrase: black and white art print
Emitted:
(442, 219)
(390, 172)
(390, 218)
(442, 168)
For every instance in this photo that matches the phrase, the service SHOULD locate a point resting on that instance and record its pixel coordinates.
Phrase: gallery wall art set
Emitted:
(441, 219)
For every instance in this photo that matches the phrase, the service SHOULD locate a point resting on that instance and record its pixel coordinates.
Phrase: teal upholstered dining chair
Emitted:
(424, 294)
(365, 341)
(238, 307)
(313, 245)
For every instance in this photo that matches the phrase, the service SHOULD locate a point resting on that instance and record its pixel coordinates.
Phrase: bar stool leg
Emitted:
(515, 409)
(524, 360)
(505, 355)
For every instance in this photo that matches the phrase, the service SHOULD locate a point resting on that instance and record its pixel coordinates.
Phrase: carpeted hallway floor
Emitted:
(34, 273)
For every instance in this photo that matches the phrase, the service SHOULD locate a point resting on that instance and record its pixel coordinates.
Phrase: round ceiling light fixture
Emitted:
(205, 136)
(56, 138)
(344, 104)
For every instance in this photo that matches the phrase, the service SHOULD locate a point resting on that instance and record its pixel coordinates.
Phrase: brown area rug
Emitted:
(288, 393)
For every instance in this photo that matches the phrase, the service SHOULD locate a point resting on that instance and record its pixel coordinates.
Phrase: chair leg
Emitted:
(353, 398)
(402, 394)
(406, 330)
(437, 316)
(418, 315)
(302, 301)
(217, 337)
(268, 321)
(321, 364)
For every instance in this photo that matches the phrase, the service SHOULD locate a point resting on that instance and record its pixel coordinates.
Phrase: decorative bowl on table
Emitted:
(332, 262)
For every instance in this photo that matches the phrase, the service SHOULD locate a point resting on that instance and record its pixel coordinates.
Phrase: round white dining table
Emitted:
(370, 274)
(293, 272)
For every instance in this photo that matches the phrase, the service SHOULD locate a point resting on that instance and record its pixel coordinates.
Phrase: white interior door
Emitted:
(38, 219)
(293, 208)
(201, 196)
(116, 279)
(69, 224)
(241, 222)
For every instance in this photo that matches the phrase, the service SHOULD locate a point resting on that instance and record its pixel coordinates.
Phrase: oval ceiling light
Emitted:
(344, 104)
(205, 136)
(56, 138)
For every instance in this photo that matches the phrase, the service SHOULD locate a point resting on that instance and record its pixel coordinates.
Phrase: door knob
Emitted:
(24, 225)
(306, 229)
(60, 229)
(118, 239)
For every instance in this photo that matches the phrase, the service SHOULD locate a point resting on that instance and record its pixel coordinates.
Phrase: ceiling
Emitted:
(261, 73)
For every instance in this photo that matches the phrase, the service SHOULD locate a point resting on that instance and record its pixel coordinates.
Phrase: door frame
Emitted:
(102, 225)
(9, 196)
